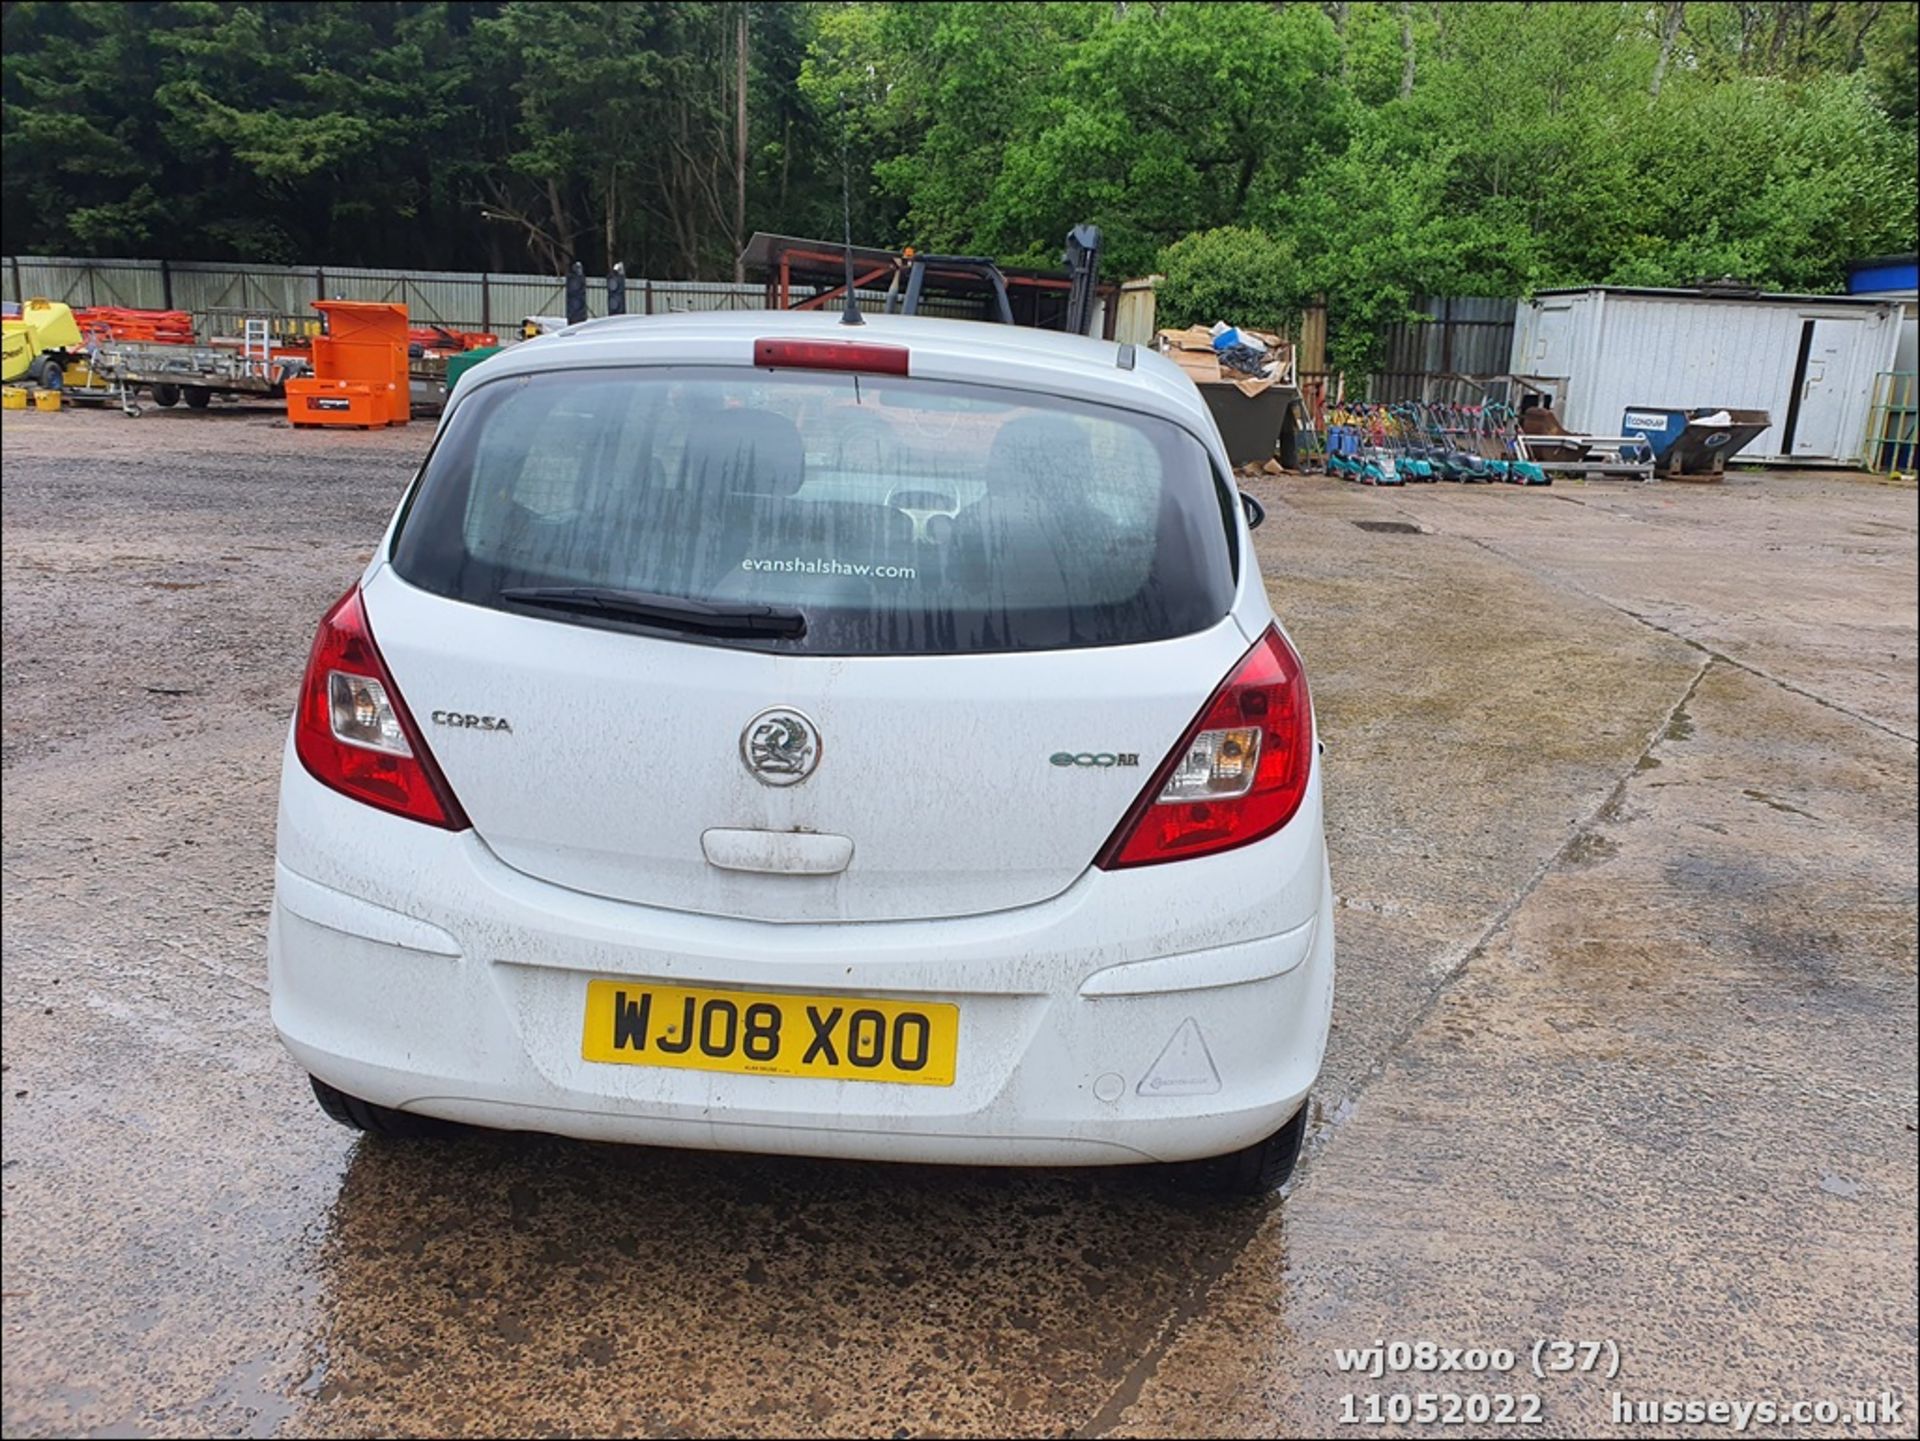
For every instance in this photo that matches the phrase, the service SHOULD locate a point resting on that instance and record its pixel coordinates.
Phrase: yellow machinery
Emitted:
(41, 342)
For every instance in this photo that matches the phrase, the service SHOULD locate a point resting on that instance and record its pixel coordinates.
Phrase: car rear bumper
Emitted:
(412, 969)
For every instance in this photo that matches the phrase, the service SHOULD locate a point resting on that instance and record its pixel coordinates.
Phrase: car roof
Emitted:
(974, 351)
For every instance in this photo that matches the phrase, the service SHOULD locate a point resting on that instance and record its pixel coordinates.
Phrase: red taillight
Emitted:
(353, 732)
(830, 355)
(1237, 775)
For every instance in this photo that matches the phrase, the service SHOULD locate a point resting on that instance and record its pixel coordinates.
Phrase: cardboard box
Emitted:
(1201, 369)
(1194, 337)
(1192, 350)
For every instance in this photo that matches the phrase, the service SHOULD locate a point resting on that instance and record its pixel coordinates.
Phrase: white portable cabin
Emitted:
(1809, 361)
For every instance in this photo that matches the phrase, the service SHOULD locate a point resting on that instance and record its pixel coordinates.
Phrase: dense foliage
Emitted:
(1372, 153)
(1247, 274)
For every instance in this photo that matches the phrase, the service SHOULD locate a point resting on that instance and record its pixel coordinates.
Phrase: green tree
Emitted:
(79, 124)
(1377, 153)
(1162, 121)
(932, 95)
(1241, 276)
(314, 130)
(1894, 64)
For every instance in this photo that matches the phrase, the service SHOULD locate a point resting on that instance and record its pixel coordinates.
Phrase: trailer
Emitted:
(171, 373)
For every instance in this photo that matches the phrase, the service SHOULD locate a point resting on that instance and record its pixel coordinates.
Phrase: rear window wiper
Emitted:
(699, 616)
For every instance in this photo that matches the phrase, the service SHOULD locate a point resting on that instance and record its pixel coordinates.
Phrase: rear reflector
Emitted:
(1237, 775)
(830, 355)
(352, 731)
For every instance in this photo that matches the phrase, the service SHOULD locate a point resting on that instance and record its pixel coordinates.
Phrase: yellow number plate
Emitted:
(837, 1038)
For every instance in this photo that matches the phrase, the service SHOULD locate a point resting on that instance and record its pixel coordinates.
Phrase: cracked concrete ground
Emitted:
(1622, 809)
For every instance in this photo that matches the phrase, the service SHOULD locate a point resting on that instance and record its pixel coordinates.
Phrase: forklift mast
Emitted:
(1082, 260)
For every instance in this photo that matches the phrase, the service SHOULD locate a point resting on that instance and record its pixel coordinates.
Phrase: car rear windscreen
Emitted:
(897, 516)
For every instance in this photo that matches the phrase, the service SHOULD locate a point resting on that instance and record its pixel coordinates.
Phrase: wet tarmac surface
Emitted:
(1622, 808)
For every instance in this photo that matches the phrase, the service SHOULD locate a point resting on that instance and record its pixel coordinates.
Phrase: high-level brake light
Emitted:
(830, 355)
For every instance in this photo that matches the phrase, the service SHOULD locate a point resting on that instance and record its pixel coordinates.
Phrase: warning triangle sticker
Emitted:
(1185, 1067)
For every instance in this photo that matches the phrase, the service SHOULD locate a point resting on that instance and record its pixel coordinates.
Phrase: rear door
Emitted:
(1013, 607)
(1825, 388)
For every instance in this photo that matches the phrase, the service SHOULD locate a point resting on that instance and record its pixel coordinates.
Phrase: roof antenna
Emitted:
(851, 314)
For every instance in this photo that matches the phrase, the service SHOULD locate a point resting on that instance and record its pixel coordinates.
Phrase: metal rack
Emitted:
(1611, 458)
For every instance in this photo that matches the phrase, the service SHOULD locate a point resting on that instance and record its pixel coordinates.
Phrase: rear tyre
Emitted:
(359, 1115)
(1260, 1169)
(47, 374)
(198, 397)
(166, 396)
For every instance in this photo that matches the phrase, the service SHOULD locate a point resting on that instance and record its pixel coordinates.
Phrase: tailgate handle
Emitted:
(778, 853)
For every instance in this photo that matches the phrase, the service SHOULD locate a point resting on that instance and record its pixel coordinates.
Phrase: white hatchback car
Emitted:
(760, 733)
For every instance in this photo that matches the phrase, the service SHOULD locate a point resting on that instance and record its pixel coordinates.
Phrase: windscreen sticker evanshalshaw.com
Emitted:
(800, 565)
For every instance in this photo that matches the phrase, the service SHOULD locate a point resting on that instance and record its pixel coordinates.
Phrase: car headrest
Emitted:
(1039, 454)
(745, 452)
